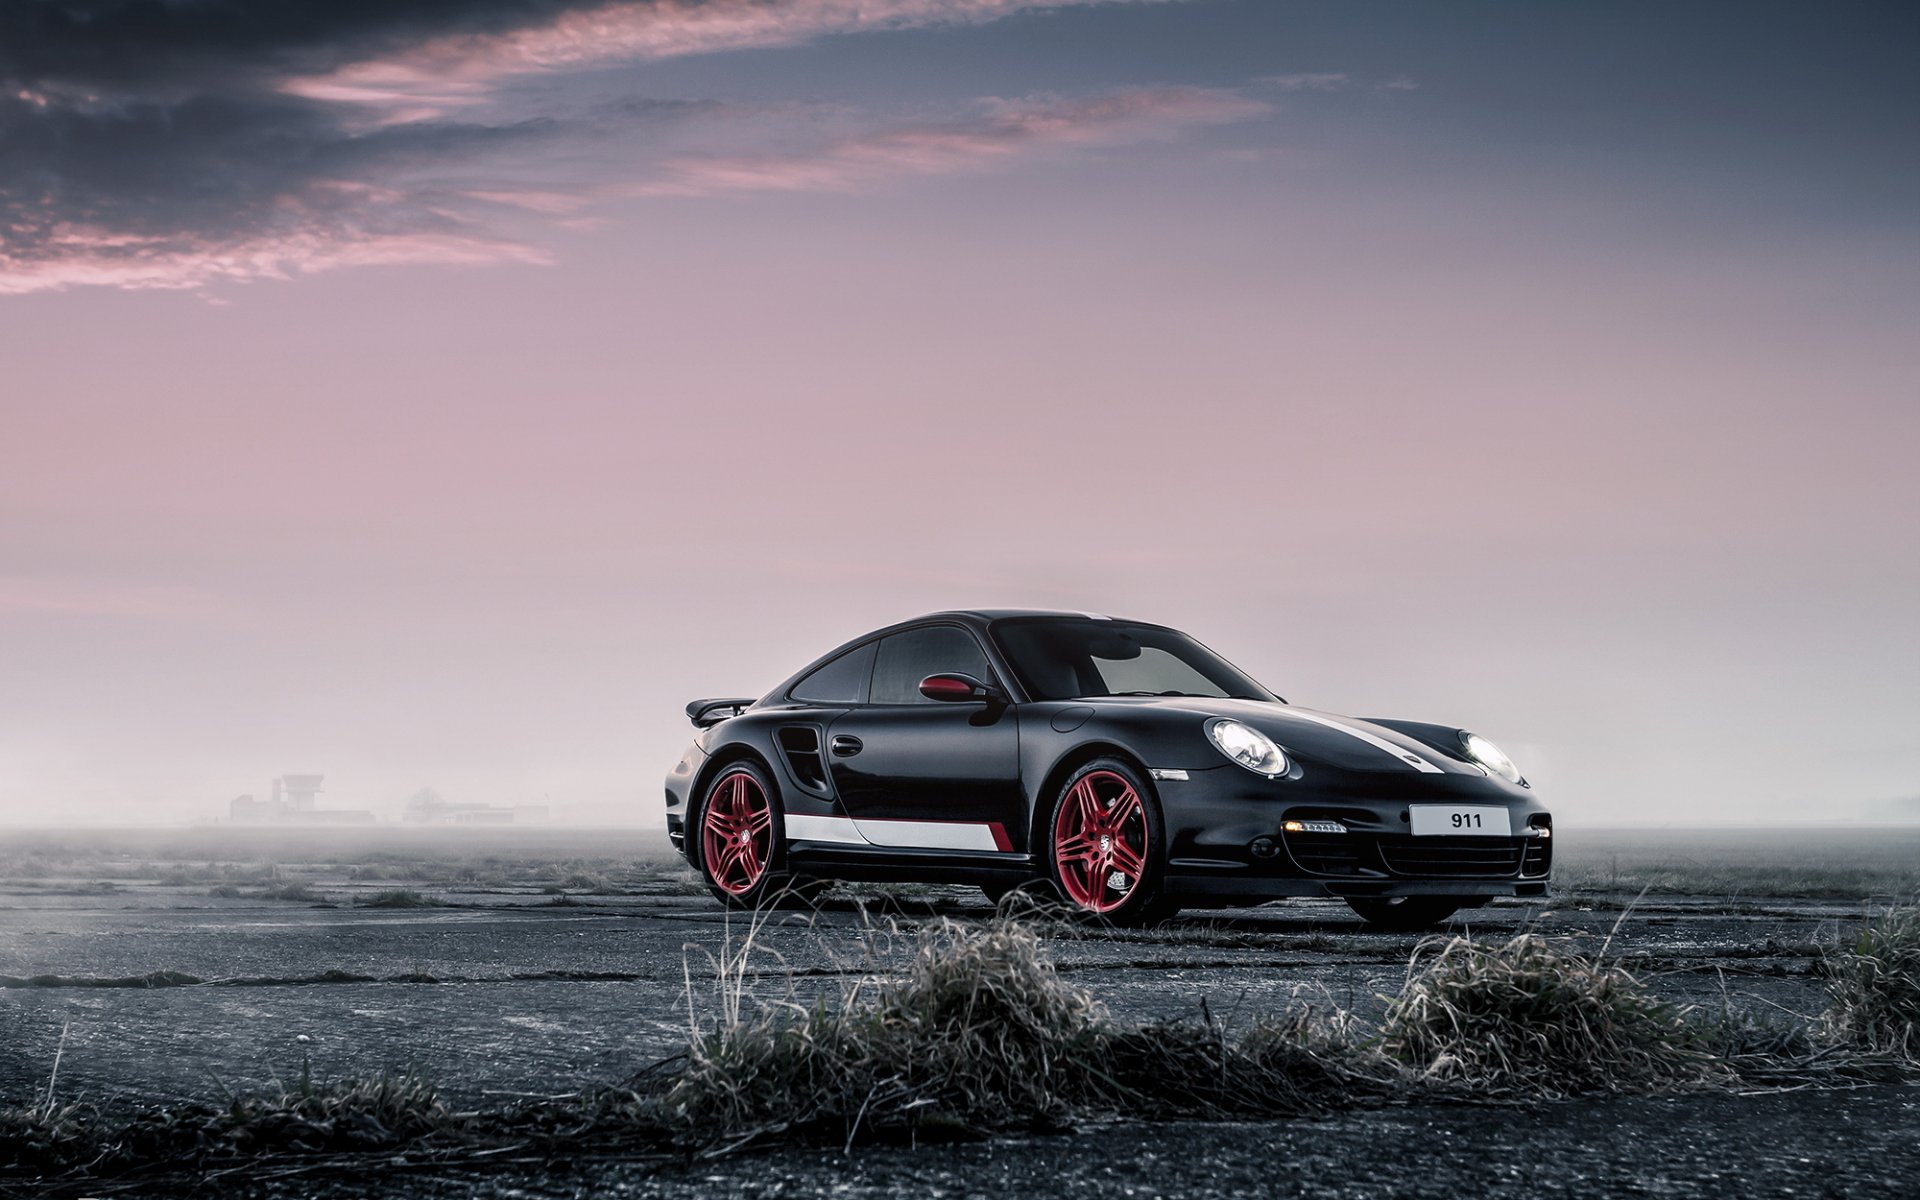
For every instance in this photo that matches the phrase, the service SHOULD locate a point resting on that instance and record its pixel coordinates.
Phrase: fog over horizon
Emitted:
(440, 395)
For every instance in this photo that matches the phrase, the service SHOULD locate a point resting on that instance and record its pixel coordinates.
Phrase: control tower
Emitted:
(297, 791)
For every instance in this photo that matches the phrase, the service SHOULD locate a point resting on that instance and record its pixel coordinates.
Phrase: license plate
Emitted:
(1459, 820)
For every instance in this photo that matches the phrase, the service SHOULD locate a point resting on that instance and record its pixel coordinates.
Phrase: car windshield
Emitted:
(1067, 658)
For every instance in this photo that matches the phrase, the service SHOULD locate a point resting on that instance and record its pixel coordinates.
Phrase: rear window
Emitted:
(840, 681)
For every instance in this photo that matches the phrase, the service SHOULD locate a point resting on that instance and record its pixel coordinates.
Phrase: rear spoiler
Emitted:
(707, 713)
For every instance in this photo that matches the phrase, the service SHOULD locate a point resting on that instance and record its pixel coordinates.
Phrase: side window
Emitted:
(913, 654)
(841, 681)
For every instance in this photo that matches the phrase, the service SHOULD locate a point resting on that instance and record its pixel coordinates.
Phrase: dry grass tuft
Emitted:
(1875, 988)
(1295, 1064)
(988, 1015)
(359, 1114)
(355, 1116)
(1529, 1018)
(980, 1032)
(47, 1136)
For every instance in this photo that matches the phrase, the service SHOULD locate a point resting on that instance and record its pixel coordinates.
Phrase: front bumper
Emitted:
(1228, 835)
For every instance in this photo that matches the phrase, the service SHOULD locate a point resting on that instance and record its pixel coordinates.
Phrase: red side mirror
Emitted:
(954, 687)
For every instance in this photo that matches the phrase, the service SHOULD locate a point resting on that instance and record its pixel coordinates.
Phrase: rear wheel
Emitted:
(1106, 840)
(742, 842)
(1406, 914)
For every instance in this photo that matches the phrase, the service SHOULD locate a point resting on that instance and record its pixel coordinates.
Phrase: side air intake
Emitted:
(801, 745)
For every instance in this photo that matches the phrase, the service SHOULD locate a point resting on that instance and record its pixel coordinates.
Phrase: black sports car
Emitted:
(1123, 763)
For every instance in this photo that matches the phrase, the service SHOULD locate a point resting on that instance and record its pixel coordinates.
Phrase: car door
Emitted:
(915, 773)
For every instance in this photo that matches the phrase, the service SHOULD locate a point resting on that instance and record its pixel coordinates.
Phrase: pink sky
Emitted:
(1581, 446)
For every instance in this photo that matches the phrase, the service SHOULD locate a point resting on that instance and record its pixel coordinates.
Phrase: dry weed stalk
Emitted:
(1530, 1017)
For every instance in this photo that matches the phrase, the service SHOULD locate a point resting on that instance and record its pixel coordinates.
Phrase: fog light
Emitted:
(1263, 847)
(1314, 827)
(1540, 831)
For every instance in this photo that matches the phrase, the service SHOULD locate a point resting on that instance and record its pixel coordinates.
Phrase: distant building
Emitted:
(427, 807)
(293, 804)
(298, 791)
(245, 810)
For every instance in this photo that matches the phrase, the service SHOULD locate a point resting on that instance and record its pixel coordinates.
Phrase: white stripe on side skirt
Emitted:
(899, 835)
(803, 827)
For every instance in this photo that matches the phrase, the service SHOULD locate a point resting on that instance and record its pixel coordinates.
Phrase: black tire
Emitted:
(1142, 902)
(775, 887)
(1407, 914)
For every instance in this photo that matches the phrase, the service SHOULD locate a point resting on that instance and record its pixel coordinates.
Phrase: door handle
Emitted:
(845, 745)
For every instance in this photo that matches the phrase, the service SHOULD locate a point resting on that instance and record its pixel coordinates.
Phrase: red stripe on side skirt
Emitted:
(999, 831)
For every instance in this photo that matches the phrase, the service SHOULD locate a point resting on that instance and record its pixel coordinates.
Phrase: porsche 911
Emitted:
(1119, 767)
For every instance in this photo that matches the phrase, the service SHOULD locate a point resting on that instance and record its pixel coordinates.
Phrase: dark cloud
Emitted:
(140, 133)
(140, 44)
(160, 142)
(209, 166)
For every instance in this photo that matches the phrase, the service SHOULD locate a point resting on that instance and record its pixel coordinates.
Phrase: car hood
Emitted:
(1345, 743)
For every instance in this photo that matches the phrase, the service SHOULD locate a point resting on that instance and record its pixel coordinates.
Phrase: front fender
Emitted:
(1056, 736)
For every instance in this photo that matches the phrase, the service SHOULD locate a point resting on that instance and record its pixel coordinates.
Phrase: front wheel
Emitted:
(1406, 914)
(1106, 842)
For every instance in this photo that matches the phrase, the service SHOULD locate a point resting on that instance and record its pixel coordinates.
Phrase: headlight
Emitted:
(1489, 756)
(1249, 747)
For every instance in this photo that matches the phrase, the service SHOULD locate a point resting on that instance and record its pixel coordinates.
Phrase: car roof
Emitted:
(979, 618)
(995, 614)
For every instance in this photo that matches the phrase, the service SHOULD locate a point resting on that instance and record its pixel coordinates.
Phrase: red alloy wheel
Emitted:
(736, 833)
(1100, 841)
